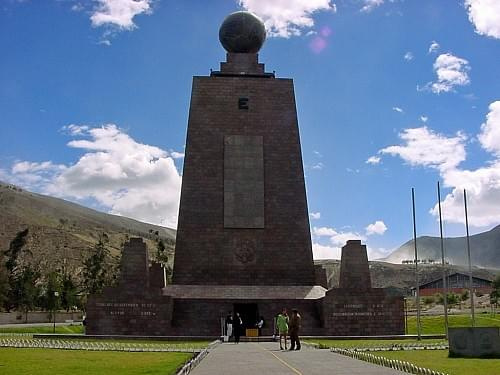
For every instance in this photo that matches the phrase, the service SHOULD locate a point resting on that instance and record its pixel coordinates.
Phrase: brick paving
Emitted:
(266, 358)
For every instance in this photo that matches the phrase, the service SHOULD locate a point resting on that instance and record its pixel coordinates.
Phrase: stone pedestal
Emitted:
(355, 308)
(474, 342)
(134, 307)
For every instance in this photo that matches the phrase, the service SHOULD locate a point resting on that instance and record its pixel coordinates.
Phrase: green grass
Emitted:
(438, 360)
(14, 361)
(435, 324)
(371, 343)
(76, 329)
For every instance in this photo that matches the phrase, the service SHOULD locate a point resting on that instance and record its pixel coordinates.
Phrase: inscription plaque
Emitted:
(243, 181)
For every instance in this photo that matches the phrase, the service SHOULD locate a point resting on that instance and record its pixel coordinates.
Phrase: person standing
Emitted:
(237, 327)
(294, 328)
(229, 326)
(282, 323)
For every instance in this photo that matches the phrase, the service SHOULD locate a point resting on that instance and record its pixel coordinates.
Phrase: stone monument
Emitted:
(243, 239)
(355, 308)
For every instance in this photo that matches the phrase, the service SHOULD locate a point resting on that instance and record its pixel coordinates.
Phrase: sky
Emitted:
(391, 95)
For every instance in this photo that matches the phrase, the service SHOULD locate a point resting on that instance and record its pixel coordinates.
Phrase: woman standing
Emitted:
(282, 323)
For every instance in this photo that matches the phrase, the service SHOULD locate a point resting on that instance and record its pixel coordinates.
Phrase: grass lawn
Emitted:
(44, 329)
(435, 324)
(15, 361)
(372, 343)
(438, 360)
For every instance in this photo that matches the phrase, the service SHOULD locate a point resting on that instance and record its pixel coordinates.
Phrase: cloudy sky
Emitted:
(391, 94)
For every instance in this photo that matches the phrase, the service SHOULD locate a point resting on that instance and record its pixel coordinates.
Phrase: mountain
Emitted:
(401, 277)
(484, 248)
(64, 232)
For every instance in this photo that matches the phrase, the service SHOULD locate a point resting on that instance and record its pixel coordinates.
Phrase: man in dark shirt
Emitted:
(293, 330)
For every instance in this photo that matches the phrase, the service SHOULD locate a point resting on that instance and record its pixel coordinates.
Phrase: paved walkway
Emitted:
(266, 358)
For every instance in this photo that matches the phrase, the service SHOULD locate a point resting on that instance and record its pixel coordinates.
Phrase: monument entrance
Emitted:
(249, 313)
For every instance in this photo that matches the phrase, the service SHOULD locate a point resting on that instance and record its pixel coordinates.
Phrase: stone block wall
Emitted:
(348, 312)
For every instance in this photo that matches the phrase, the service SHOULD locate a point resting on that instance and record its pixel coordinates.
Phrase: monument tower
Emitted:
(243, 216)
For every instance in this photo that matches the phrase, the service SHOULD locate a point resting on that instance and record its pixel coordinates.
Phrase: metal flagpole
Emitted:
(445, 282)
(471, 291)
(417, 286)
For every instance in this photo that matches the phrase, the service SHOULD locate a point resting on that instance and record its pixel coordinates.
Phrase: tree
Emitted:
(50, 299)
(94, 272)
(69, 292)
(463, 297)
(26, 291)
(161, 254)
(495, 293)
(12, 269)
(452, 299)
(4, 284)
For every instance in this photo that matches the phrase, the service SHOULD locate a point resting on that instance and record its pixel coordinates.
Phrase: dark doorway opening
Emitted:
(249, 313)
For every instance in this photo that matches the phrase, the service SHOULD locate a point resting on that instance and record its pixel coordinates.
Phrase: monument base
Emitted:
(142, 305)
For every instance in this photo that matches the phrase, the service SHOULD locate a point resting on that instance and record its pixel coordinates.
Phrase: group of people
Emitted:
(289, 326)
(286, 326)
(234, 326)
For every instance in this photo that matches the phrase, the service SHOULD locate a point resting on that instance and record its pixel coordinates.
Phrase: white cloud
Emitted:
(286, 18)
(21, 167)
(424, 118)
(424, 147)
(408, 56)
(105, 42)
(335, 237)
(176, 155)
(340, 239)
(397, 109)
(485, 15)
(125, 177)
(318, 166)
(369, 5)
(490, 130)
(324, 232)
(78, 7)
(74, 129)
(378, 227)
(373, 160)
(315, 215)
(325, 251)
(451, 71)
(378, 253)
(428, 149)
(119, 13)
(334, 252)
(434, 47)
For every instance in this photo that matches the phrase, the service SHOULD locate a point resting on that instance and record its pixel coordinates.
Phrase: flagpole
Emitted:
(445, 282)
(471, 290)
(417, 286)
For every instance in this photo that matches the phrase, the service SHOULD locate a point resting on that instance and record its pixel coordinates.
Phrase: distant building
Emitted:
(457, 283)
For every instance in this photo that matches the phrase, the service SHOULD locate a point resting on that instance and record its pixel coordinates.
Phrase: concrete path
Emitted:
(266, 358)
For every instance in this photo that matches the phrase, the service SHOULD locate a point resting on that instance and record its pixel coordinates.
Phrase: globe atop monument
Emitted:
(242, 32)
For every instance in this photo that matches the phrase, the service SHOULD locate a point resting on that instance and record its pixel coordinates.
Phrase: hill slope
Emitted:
(61, 231)
(485, 249)
(400, 277)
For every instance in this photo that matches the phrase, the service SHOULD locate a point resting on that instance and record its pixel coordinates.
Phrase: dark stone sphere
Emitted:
(242, 32)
